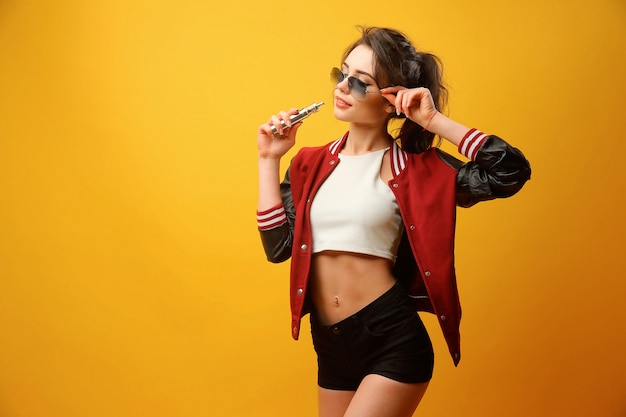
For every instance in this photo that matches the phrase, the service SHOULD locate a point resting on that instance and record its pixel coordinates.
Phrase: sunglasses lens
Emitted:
(357, 88)
(336, 76)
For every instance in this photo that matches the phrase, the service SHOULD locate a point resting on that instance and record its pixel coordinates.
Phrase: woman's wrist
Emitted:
(447, 128)
(429, 120)
(269, 183)
(269, 160)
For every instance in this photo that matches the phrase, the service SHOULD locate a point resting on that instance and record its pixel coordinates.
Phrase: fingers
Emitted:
(391, 95)
(407, 101)
(392, 90)
(280, 123)
(401, 97)
(409, 98)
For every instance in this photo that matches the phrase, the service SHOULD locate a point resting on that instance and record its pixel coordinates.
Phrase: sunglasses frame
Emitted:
(357, 87)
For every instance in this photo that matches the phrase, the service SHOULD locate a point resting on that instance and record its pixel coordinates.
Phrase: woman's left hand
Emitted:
(416, 103)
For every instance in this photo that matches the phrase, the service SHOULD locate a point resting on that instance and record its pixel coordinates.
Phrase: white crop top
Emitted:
(355, 211)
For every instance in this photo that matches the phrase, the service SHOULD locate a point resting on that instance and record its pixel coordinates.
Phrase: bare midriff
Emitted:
(342, 283)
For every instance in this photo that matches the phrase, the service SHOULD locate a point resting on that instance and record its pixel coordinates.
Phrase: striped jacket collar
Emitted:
(398, 156)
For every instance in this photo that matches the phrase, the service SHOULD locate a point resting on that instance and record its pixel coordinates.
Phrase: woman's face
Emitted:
(369, 110)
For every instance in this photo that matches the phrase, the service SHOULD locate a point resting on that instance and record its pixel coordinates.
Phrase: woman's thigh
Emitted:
(378, 396)
(333, 403)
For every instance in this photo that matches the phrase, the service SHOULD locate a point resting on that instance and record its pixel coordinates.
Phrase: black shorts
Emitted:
(386, 337)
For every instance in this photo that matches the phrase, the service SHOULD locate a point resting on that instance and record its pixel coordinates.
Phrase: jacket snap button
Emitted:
(332, 162)
(300, 291)
(395, 185)
(412, 227)
(443, 318)
(304, 247)
(427, 273)
(336, 330)
(295, 330)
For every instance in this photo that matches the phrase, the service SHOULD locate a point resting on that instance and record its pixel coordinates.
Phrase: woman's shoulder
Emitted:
(434, 157)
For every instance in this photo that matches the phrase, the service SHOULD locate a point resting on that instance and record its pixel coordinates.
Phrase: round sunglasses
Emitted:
(357, 87)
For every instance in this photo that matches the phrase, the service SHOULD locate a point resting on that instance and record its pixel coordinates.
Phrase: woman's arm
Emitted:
(417, 104)
(276, 224)
(269, 183)
(496, 169)
(275, 210)
(271, 148)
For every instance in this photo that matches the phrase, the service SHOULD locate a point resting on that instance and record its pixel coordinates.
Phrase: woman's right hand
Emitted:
(274, 146)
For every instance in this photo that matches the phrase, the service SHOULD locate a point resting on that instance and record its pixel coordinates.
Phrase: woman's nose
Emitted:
(344, 85)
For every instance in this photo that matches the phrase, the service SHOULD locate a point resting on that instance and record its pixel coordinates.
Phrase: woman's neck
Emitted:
(363, 140)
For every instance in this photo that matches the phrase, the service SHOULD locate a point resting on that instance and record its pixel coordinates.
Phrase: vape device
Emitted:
(302, 114)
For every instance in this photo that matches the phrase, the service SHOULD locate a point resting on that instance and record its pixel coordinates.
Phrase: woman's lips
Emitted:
(341, 103)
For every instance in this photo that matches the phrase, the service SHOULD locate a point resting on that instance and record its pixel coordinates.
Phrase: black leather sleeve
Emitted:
(278, 242)
(498, 171)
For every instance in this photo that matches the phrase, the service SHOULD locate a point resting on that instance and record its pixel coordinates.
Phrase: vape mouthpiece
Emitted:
(302, 114)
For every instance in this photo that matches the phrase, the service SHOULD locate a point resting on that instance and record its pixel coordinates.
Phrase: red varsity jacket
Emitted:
(428, 187)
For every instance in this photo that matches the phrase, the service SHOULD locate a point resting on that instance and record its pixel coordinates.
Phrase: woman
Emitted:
(369, 224)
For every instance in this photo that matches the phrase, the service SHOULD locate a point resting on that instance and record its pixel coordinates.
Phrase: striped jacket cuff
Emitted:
(271, 218)
(471, 143)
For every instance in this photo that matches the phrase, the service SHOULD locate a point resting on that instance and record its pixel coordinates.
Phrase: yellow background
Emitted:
(132, 280)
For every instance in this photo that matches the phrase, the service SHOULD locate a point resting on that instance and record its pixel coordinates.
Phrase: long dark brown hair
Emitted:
(397, 62)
